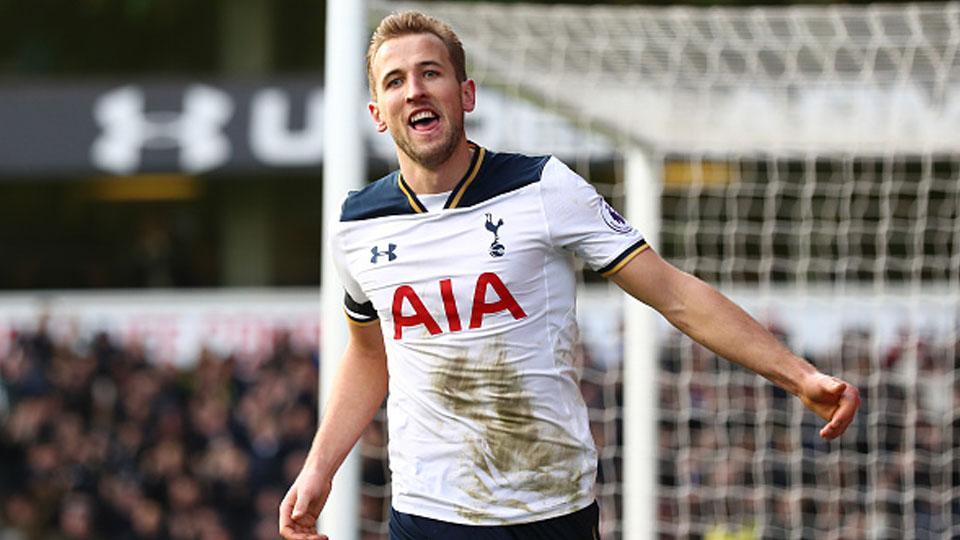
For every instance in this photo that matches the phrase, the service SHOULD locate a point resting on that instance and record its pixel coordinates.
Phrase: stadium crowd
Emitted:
(97, 441)
(738, 454)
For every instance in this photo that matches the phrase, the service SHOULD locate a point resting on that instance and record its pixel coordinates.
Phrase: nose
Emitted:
(415, 89)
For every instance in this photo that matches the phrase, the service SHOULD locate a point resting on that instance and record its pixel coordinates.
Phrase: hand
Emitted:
(833, 400)
(301, 507)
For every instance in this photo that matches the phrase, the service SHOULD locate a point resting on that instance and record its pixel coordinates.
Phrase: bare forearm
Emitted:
(714, 321)
(717, 323)
(359, 388)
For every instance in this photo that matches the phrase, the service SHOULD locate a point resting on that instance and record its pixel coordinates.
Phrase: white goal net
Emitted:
(806, 161)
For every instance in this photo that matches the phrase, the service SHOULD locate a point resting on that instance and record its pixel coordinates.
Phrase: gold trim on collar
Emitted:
(473, 174)
(414, 203)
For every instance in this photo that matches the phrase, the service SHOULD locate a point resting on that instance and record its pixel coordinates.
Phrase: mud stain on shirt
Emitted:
(512, 451)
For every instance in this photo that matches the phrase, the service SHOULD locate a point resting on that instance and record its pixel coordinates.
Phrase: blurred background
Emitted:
(160, 240)
(153, 292)
(137, 213)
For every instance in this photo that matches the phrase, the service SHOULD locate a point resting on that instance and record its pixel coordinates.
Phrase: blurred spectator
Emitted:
(76, 517)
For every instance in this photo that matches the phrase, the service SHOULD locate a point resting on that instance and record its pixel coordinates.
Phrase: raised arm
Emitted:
(715, 322)
(358, 390)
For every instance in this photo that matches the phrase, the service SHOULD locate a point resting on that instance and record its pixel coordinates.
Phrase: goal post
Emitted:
(640, 346)
(344, 167)
(806, 161)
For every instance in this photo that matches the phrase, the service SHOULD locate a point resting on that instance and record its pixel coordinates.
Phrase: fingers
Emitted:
(301, 531)
(300, 508)
(833, 400)
(844, 414)
(296, 525)
(286, 508)
(286, 520)
(290, 534)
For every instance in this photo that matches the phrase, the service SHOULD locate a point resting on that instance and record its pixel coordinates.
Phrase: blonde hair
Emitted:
(404, 23)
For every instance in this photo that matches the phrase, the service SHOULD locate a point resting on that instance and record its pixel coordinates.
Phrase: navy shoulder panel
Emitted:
(501, 173)
(379, 199)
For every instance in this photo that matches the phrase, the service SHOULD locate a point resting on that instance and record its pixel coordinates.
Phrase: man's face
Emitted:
(419, 98)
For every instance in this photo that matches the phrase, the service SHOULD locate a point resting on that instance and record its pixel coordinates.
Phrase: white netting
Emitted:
(730, 80)
(810, 164)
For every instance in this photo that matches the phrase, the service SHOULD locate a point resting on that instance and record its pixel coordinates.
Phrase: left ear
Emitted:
(468, 95)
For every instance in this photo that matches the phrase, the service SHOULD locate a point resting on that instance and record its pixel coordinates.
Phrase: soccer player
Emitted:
(460, 293)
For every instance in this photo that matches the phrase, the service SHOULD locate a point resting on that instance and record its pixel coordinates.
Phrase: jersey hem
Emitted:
(424, 509)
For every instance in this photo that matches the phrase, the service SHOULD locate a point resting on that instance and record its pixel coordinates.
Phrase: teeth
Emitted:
(423, 115)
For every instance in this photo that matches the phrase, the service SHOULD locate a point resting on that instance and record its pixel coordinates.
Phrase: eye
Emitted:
(393, 83)
(430, 74)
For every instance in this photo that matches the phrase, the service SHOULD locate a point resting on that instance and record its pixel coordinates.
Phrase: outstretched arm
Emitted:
(714, 321)
(358, 390)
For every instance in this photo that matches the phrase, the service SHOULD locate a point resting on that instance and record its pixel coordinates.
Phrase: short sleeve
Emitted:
(358, 308)
(581, 221)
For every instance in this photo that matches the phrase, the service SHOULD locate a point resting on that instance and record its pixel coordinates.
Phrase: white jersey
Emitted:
(477, 306)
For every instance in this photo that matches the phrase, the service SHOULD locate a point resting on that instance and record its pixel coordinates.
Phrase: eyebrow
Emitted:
(425, 63)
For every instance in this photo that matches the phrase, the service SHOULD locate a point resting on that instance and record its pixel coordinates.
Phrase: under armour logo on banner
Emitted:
(389, 253)
(128, 129)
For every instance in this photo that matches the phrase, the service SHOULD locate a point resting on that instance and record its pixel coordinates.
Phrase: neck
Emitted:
(443, 177)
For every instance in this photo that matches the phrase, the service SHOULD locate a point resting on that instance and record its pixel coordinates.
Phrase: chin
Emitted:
(429, 154)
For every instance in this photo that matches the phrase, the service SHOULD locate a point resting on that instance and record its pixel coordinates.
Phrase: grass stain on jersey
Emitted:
(513, 449)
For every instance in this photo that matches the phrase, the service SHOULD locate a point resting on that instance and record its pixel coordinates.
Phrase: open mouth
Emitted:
(424, 120)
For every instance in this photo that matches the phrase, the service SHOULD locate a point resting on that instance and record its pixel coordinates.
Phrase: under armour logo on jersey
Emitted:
(128, 129)
(389, 253)
(496, 248)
